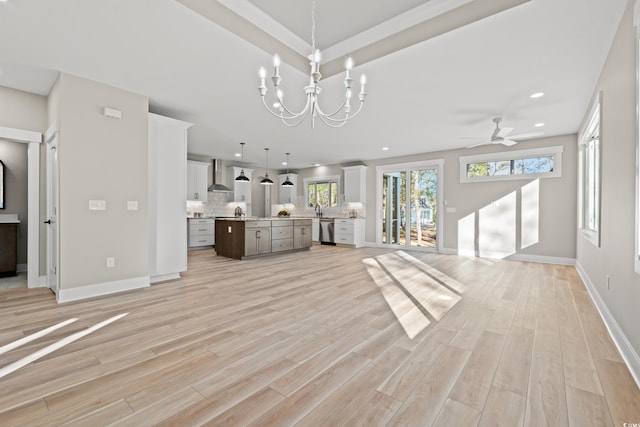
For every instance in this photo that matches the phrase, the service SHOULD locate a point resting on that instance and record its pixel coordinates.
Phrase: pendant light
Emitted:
(266, 180)
(242, 177)
(287, 182)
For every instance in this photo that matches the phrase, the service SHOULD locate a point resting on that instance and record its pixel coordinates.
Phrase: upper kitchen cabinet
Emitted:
(241, 189)
(197, 181)
(287, 194)
(167, 207)
(355, 184)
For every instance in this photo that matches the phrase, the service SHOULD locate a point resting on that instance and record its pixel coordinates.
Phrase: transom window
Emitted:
(543, 162)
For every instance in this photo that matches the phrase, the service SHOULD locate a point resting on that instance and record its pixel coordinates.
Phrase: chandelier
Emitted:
(334, 119)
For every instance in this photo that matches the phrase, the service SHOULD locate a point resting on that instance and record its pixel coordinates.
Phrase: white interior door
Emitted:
(52, 213)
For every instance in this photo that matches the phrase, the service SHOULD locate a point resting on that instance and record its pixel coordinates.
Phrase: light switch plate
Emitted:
(97, 205)
(451, 210)
(132, 205)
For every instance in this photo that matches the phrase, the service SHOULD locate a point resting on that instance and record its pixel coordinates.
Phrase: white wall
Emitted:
(101, 158)
(615, 256)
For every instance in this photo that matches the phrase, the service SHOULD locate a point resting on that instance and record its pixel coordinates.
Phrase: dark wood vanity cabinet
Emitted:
(8, 249)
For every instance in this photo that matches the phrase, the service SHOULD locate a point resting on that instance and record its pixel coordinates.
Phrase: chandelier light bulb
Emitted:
(276, 60)
(262, 73)
(349, 64)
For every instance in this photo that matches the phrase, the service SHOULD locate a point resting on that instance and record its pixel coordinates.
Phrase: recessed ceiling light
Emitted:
(238, 154)
(537, 95)
(385, 148)
(539, 125)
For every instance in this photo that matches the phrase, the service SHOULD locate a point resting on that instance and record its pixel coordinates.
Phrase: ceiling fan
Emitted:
(499, 135)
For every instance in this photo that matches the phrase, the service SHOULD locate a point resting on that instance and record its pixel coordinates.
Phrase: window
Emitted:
(589, 172)
(523, 164)
(322, 192)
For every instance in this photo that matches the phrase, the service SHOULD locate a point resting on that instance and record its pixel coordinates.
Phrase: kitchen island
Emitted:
(241, 238)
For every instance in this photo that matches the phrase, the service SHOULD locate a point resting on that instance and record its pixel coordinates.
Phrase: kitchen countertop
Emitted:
(9, 219)
(250, 218)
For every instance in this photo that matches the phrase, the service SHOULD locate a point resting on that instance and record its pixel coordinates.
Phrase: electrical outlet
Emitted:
(608, 282)
(111, 262)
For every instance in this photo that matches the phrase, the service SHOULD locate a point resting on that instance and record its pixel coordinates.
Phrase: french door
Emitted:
(409, 207)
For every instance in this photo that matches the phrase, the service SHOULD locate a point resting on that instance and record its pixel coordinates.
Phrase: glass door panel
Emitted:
(392, 208)
(423, 207)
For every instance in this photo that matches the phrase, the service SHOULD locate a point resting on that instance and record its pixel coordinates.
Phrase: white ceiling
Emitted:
(426, 91)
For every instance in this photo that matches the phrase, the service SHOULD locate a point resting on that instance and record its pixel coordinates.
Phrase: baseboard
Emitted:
(100, 289)
(21, 268)
(164, 277)
(631, 358)
(450, 251)
(542, 259)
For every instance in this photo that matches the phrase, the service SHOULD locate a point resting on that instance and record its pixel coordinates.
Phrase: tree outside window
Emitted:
(323, 194)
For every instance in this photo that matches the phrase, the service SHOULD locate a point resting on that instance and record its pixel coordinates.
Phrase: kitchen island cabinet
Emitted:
(241, 238)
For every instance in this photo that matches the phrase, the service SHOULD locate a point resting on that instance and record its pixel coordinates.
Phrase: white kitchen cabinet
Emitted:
(241, 189)
(349, 232)
(355, 184)
(287, 194)
(197, 181)
(315, 229)
(302, 233)
(201, 232)
(167, 210)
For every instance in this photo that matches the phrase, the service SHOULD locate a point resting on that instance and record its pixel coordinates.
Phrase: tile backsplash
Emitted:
(217, 205)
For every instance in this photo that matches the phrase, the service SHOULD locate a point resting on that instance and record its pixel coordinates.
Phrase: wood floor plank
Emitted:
(513, 369)
(345, 401)
(546, 397)
(503, 408)
(616, 380)
(587, 409)
(375, 410)
(433, 388)
(456, 414)
(285, 340)
(474, 383)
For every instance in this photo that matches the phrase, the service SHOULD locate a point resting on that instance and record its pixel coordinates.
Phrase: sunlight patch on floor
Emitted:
(416, 292)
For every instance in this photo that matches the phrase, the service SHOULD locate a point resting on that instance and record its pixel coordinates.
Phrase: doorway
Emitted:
(33, 139)
(409, 208)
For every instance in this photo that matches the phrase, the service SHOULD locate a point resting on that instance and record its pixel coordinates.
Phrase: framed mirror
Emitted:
(1, 185)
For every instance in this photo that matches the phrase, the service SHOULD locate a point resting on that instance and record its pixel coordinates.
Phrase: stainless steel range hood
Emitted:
(215, 187)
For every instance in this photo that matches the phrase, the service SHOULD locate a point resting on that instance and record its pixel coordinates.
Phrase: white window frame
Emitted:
(593, 121)
(320, 179)
(637, 233)
(554, 151)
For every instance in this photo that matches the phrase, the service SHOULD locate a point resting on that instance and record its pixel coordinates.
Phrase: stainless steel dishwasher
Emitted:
(327, 226)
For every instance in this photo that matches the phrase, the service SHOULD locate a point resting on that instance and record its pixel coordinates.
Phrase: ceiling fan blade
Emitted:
(504, 132)
(508, 142)
(527, 135)
(482, 143)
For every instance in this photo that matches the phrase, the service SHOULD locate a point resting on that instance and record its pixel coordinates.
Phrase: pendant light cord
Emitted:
(313, 27)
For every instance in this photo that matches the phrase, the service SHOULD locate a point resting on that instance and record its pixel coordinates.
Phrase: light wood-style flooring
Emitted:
(323, 338)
